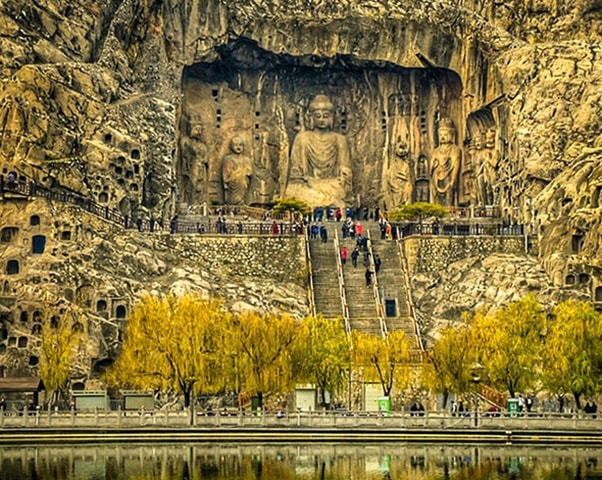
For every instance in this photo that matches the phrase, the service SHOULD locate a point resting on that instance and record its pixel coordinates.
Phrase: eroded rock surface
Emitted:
(103, 99)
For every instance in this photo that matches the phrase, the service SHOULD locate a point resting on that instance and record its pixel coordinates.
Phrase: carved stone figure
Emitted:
(320, 162)
(264, 182)
(468, 186)
(399, 183)
(421, 189)
(194, 166)
(487, 163)
(237, 169)
(445, 166)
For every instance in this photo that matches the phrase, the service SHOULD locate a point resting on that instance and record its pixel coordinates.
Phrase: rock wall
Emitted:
(452, 276)
(94, 100)
(61, 264)
(434, 254)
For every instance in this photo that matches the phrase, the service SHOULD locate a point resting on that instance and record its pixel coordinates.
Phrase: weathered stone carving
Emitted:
(320, 170)
(237, 169)
(487, 162)
(421, 190)
(264, 182)
(445, 166)
(194, 165)
(399, 181)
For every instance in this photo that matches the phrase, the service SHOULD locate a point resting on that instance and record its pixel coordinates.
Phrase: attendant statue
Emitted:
(237, 169)
(445, 166)
(320, 162)
(487, 164)
(399, 186)
(194, 165)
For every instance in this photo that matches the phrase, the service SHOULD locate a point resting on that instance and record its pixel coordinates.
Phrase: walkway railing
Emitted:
(424, 420)
(342, 289)
(238, 228)
(459, 229)
(379, 305)
(406, 286)
(311, 294)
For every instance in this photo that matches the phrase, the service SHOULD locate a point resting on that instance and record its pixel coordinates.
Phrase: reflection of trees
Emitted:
(289, 461)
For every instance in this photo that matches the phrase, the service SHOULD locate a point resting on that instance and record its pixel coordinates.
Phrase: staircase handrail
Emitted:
(406, 286)
(377, 300)
(342, 290)
(311, 295)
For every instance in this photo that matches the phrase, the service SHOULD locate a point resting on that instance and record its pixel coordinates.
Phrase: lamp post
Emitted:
(476, 380)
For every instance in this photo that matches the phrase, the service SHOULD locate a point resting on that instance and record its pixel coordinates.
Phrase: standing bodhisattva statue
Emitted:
(237, 169)
(445, 166)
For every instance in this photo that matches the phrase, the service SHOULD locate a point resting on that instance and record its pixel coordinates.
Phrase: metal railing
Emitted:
(459, 229)
(406, 285)
(342, 290)
(239, 228)
(377, 300)
(311, 294)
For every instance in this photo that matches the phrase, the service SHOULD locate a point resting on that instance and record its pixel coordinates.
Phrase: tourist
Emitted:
(354, 255)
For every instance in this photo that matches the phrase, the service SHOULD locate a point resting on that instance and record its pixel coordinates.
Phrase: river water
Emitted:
(355, 461)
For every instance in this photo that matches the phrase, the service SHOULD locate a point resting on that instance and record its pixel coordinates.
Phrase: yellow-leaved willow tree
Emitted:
(385, 360)
(326, 354)
(59, 340)
(572, 358)
(173, 343)
(508, 344)
(450, 361)
(268, 347)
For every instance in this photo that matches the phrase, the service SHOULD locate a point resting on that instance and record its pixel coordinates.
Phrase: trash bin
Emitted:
(384, 406)
(390, 308)
(513, 409)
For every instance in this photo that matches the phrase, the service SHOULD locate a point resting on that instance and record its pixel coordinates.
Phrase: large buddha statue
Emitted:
(445, 166)
(320, 172)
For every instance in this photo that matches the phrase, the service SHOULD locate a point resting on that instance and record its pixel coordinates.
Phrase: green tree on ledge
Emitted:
(291, 205)
(418, 211)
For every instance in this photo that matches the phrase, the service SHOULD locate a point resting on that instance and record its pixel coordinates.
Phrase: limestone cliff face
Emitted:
(101, 99)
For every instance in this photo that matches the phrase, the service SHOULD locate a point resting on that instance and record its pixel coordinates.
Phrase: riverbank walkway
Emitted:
(145, 426)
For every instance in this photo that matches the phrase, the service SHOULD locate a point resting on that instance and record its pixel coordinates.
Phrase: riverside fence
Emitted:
(330, 419)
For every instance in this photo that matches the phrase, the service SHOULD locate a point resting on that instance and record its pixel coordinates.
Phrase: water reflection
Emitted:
(283, 462)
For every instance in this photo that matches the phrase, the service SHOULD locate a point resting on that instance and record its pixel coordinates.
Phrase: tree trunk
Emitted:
(577, 400)
(445, 399)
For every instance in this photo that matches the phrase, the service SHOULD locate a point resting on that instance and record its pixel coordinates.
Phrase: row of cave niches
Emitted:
(34, 322)
(124, 174)
(340, 114)
(38, 243)
(583, 279)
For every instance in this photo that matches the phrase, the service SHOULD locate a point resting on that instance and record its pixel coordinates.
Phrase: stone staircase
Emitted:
(392, 288)
(325, 278)
(363, 315)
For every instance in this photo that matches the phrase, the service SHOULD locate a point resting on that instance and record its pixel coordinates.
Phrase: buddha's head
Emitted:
(237, 145)
(321, 110)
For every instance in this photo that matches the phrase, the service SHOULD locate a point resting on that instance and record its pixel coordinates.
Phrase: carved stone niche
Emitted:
(481, 166)
(384, 116)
